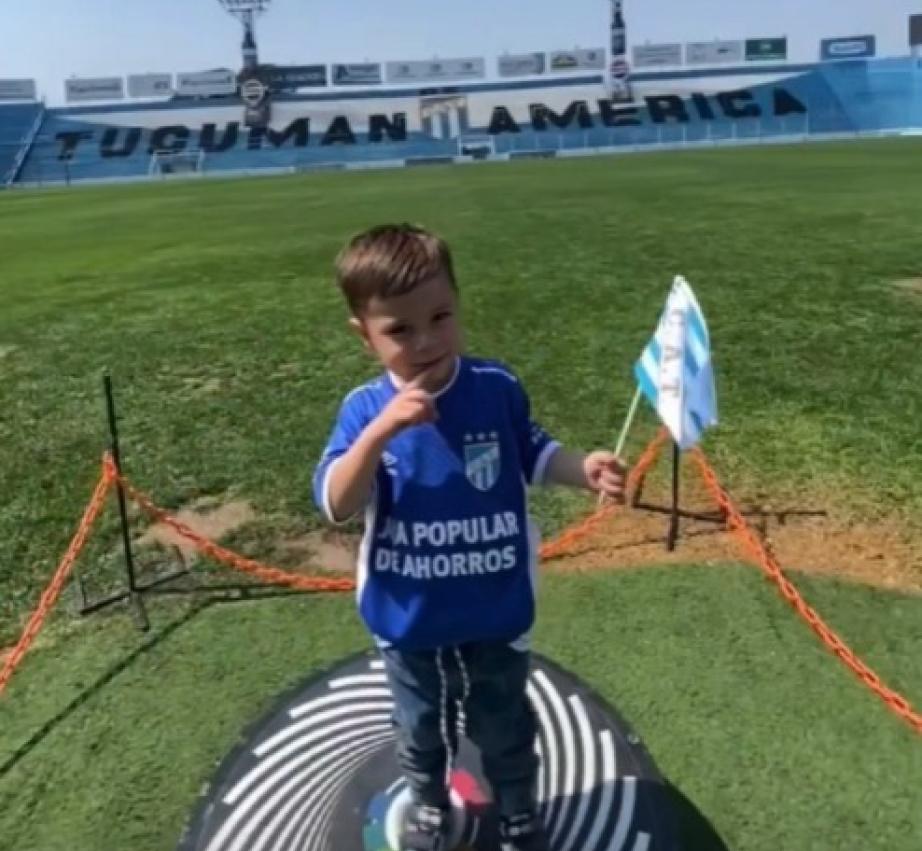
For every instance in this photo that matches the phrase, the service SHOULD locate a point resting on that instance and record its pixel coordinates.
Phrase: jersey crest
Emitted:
(482, 460)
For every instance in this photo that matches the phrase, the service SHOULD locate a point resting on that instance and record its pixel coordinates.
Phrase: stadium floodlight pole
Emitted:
(619, 84)
(246, 11)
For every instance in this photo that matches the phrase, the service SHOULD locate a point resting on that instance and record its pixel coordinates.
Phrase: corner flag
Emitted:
(675, 373)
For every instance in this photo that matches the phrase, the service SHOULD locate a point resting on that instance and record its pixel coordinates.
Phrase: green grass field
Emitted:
(212, 304)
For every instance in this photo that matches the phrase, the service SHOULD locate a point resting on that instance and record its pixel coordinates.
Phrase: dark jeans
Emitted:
(487, 679)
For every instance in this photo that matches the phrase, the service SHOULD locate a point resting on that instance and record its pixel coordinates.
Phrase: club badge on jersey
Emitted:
(482, 460)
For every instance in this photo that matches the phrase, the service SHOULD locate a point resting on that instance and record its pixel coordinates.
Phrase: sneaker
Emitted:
(523, 832)
(426, 829)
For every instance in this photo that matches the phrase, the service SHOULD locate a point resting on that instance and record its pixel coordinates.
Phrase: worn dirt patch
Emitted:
(200, 386)
(328, 550)
(909, 287)
(324, 550)
(802, 535)
(286, 370)
(208, 517)
(879, 553)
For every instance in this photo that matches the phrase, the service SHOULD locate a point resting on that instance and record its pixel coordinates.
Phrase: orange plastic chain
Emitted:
(268, 574)
(274, 575)
(567, 540)
(772, 569)
(53, 590)
(561, 545)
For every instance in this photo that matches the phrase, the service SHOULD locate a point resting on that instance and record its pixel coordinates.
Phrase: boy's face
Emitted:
(416, 332)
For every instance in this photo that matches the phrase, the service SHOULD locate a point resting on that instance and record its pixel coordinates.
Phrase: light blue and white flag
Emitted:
(675, 373)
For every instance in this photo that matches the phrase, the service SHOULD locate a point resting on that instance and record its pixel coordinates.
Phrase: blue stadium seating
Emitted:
(16, 122)
(45, 165)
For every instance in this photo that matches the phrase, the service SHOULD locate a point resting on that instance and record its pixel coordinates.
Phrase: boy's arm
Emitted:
(598, 471)
(350, 477)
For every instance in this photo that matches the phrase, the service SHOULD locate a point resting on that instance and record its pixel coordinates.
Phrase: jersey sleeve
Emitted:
(350, 422)
(536, 446)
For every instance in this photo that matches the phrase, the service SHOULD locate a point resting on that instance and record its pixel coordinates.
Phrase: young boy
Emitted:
(438, 452)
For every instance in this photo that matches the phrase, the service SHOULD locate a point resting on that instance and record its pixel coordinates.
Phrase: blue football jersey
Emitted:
(449, 551)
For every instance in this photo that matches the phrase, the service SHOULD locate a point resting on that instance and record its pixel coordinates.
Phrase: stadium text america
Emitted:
(661, 109)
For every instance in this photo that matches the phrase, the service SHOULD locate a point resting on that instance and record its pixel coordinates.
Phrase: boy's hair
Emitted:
(390, 260)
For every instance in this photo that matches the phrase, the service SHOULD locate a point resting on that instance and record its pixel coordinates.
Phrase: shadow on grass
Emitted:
(673, 820)
(660, 817)
(252, 594)
(696, 833)
(759, 514)
(659, 810)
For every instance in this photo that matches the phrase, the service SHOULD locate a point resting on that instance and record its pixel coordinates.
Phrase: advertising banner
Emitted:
(521, 64)
(435, 69)
(287, 78)
(657, 55)
(17, 90)
(851, 47)
(713, 52)
(357, 74)
(915, 30)
(765, 49)
(150, 85)
(256, 96)
(221, 81)
(592, 59)
(94, 88)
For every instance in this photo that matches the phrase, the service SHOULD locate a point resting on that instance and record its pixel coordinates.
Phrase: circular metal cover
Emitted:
(318, 773)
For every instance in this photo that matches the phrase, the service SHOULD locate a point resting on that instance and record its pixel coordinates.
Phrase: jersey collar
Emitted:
(398, 383)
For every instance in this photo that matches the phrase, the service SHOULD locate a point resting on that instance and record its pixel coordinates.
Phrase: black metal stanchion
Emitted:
(134, 592)
(674, 510)
(673, 535)
(134, 596)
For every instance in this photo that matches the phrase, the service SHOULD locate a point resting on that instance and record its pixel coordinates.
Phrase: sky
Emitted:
(50, 40)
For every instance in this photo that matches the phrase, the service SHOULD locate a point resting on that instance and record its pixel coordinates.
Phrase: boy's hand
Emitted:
(605, 473)
(411, 406)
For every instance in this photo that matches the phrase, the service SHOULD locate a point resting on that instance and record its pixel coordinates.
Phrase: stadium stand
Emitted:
(716, 106)
(19, 123)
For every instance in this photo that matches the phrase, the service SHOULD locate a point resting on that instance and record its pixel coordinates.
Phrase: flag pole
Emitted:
(628, 420)
(632, 411)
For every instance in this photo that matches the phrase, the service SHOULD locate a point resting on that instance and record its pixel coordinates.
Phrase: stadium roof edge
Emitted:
(436, 90)
(358, 94)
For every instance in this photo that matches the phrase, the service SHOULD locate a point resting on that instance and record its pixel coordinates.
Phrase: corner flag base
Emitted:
(318, 773)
